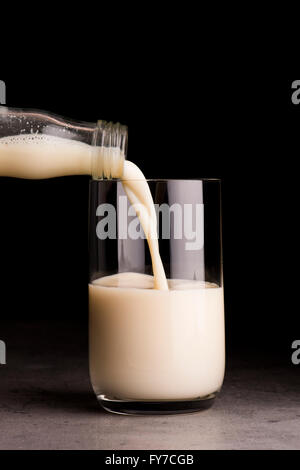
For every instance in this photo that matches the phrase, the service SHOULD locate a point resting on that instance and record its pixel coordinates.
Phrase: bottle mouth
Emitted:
(109, 149)
(112, 135)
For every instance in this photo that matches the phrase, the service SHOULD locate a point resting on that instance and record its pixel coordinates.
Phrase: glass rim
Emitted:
(160, 180)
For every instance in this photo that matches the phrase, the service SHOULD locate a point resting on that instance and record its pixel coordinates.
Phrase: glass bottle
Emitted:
(37, 144)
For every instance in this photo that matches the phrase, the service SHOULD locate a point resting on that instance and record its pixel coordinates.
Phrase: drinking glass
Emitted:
(156, 351)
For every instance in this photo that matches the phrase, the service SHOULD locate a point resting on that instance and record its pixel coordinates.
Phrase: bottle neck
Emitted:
(109, 148)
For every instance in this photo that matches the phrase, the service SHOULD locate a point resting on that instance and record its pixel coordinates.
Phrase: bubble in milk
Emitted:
(37, 139)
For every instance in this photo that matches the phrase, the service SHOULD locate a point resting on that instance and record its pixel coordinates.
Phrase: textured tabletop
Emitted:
(46, 402)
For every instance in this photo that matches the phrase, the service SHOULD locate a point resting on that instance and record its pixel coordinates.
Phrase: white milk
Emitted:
(36, 156)
(139, 195)
(149, 344)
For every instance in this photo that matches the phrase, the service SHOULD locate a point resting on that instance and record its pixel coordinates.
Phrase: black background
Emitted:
(243, 129)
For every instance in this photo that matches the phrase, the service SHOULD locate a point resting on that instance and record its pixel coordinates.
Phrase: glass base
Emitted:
(163, 407)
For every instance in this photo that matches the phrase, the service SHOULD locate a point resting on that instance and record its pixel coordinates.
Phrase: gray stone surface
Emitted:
(46, 402)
